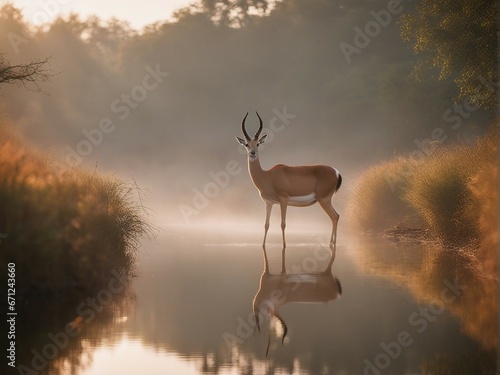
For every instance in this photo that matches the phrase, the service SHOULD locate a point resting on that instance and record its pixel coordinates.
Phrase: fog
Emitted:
(161, 106)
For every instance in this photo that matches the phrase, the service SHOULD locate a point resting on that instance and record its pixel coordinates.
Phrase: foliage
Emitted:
(375, 203)
(63, 231)
(229, 13)
(459, 37)
(477, 362)
(441, 189)
(485, 189)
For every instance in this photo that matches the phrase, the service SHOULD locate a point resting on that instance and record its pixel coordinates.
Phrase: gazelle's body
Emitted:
(299, 186)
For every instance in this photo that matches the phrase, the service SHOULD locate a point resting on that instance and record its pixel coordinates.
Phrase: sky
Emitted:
(149, 11)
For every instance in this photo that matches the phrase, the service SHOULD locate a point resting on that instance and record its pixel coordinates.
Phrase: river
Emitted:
(369, 306)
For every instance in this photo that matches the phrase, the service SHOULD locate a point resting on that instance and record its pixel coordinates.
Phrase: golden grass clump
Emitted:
(440, 190)
(484, 189)
(63, 230)
(452, 193)
(375, 203)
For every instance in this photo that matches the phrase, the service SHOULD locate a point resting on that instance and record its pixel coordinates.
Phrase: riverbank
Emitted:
(66, 231)
(448, 195)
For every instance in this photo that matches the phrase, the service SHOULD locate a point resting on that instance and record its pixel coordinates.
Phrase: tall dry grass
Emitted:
(441, 190)
(484, 188)
(451, 192)
(376, 201)
(66, 230)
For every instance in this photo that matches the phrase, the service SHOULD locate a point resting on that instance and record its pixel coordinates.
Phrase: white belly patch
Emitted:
(302, 200)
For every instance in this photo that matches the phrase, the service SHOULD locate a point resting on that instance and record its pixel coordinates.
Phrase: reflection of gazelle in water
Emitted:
(291, 186)
(275, 290)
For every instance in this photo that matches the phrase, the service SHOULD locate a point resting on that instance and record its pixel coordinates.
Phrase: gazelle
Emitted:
(291, 186)
(276, 290)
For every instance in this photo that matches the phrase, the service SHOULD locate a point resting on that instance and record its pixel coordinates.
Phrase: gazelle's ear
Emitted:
(240, 140)
(262, 139)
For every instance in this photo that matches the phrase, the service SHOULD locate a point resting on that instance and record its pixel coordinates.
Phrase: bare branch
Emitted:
(28, 75)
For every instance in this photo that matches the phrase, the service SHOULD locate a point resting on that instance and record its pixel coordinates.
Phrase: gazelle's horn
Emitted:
(283, 325)
(257, 322)
(260, 127)
(256, 312)
(268, 344)
(247, 137)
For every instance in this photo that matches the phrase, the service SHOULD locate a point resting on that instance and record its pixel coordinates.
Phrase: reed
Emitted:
(65, 230)
(452, 193)
(442, 191)
(376, 203)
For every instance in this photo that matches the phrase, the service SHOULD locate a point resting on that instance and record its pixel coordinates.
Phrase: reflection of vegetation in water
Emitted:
(71, 354)
(479, 362)
(64, 230)
(423, 270)
(477, 306)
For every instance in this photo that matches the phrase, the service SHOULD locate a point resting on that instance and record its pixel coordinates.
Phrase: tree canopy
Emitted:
(459, 38)
(233, 12)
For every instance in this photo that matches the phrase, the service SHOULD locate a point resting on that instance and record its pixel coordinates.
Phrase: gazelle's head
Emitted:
(252, 145)
(268, 309)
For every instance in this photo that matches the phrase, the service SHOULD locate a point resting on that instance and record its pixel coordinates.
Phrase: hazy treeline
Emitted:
(163, 104)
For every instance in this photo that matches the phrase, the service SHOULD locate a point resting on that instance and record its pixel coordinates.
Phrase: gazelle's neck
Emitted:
(255, 170)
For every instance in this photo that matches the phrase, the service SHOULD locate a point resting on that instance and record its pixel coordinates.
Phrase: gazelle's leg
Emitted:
(333, 252)
(283, 261)
(283, 205)
(266, 225)
(334, 216)
(266, 261)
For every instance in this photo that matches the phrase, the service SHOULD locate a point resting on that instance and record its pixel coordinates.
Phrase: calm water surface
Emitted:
(380, 308)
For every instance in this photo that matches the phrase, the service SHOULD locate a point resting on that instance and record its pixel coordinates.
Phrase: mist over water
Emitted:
(162, 106)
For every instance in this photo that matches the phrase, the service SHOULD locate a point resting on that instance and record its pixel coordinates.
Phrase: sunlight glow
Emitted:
(149, 11)
(129, 356)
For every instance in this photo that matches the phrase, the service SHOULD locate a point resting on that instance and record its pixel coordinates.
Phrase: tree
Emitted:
(458, 37)
(27, 75)
(231, 13)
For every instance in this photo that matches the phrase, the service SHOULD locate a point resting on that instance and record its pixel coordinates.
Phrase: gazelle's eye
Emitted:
(246, 144)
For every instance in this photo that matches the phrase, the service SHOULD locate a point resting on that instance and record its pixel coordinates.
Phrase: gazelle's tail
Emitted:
(339, 182)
